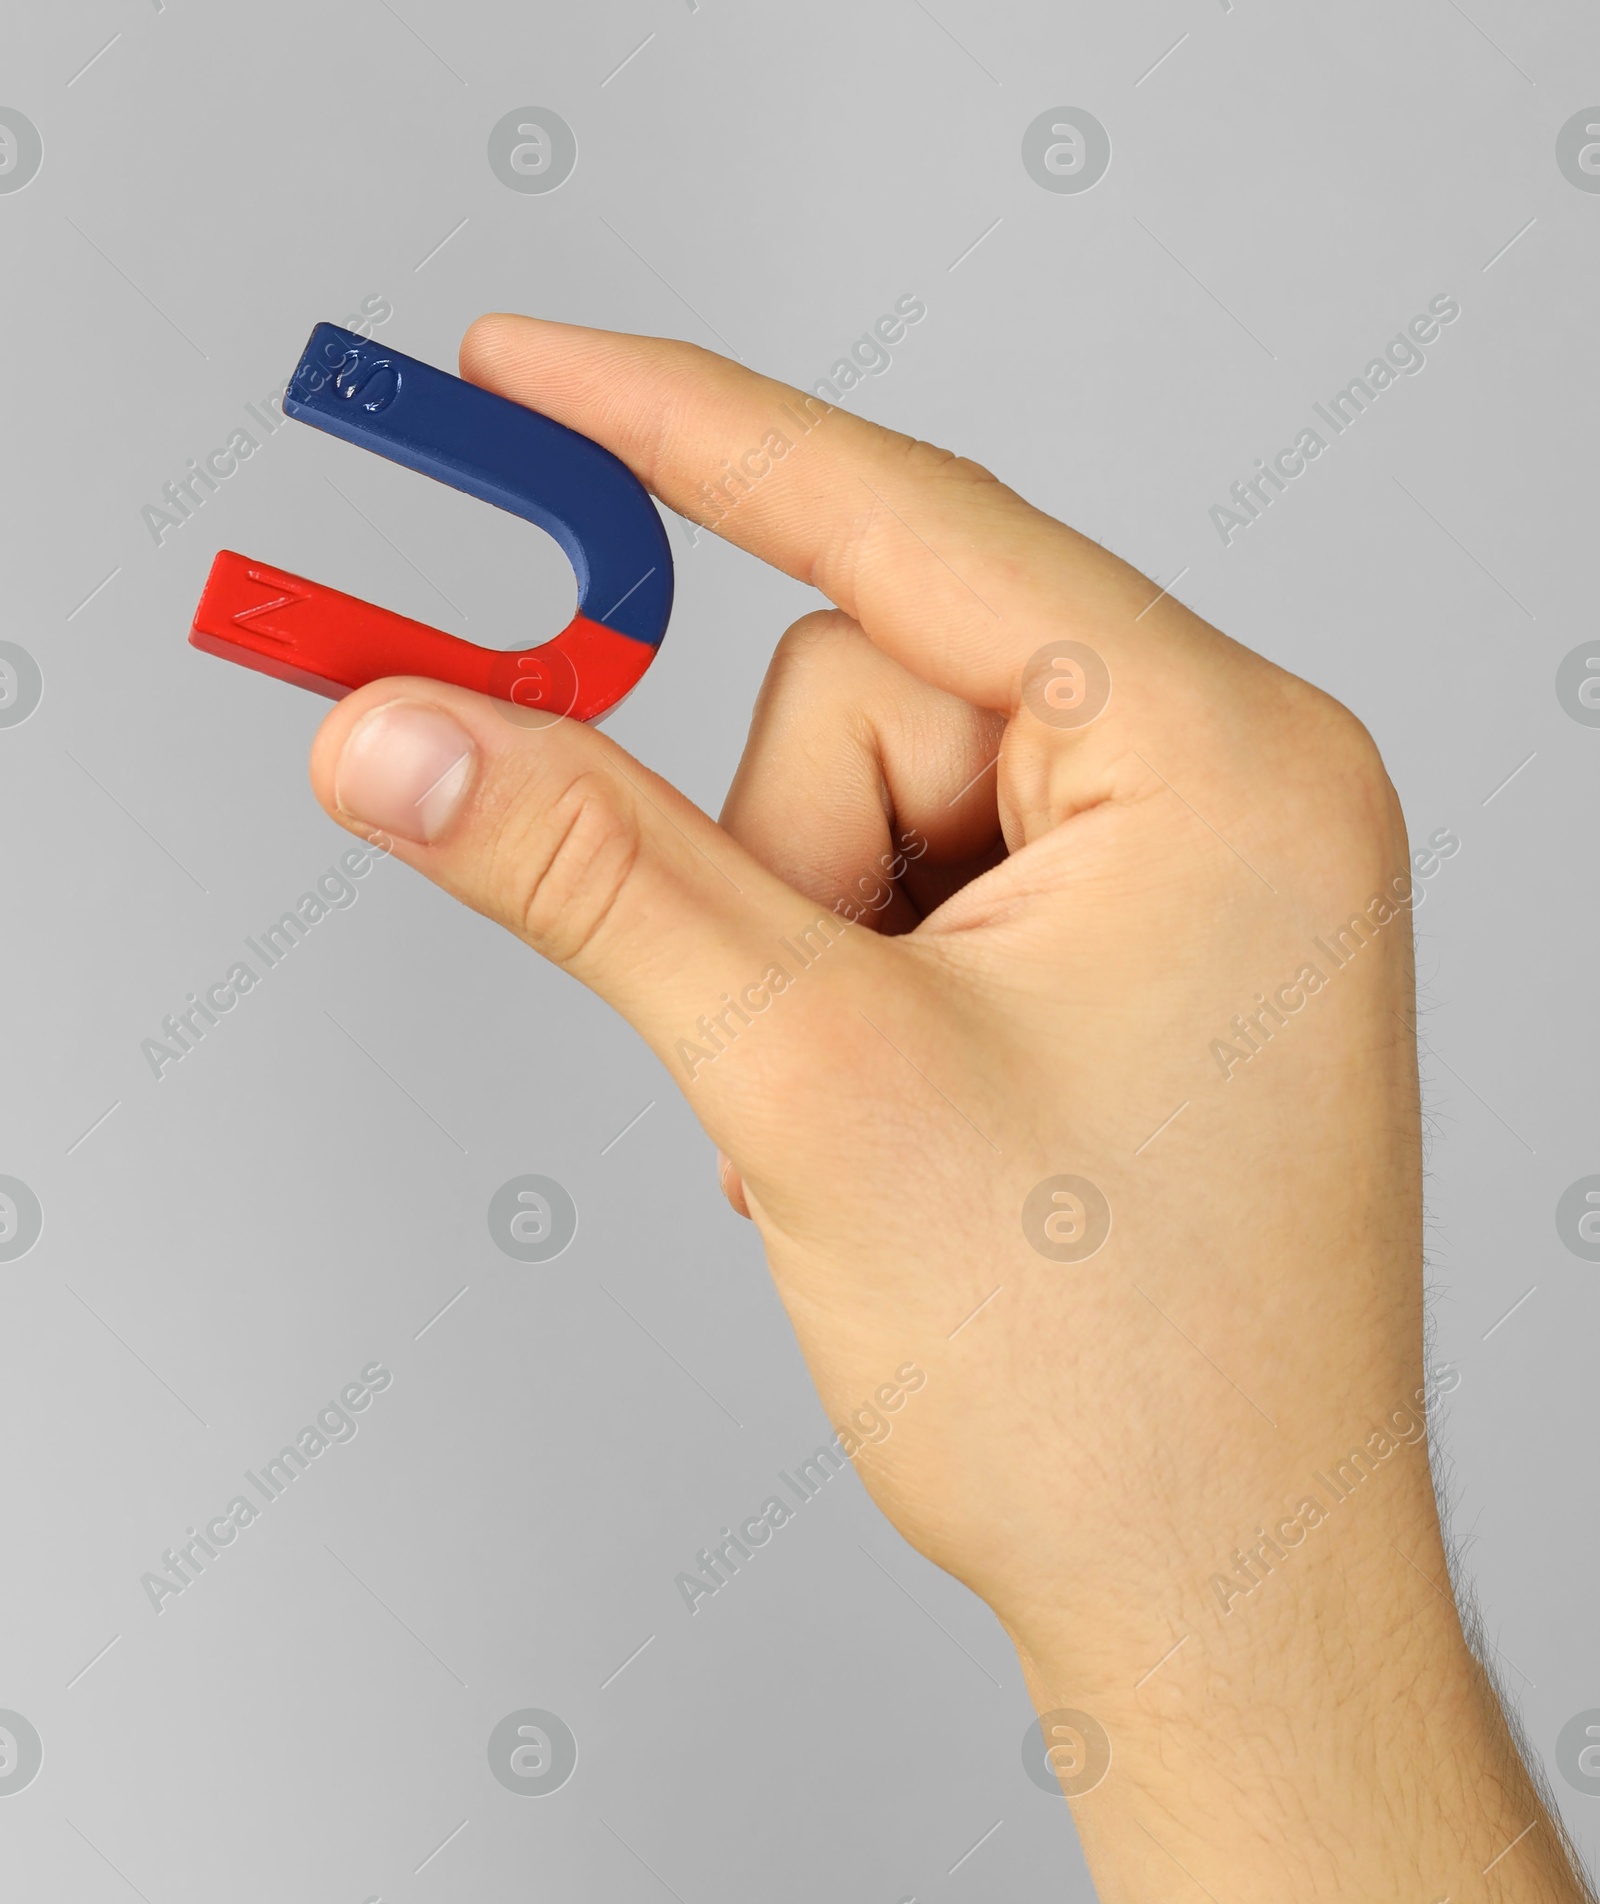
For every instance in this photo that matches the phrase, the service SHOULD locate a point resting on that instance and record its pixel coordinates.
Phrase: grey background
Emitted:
(305, 1192)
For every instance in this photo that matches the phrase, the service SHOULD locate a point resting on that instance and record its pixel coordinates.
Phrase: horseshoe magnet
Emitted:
(419, 416)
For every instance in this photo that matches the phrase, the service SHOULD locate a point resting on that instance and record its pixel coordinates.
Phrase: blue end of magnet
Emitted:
(486, 446)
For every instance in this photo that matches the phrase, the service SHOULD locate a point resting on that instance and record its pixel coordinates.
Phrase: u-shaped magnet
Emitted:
(414, 414)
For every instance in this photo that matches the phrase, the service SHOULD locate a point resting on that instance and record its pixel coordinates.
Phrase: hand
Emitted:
(1148, 931)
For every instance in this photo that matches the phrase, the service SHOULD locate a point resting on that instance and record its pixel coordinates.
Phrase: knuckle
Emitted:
(823, 689)
(920, 458)
(561, 865)
(1343, 742)
(926, 465)
(1340, 783)
(812, 643)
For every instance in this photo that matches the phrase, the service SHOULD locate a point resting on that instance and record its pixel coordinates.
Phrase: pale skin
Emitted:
(1104, 1447)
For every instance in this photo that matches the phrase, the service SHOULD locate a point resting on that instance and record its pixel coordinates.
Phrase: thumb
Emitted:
(552, 830)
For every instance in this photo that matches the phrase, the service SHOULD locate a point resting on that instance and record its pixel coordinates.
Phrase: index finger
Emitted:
(947, 570)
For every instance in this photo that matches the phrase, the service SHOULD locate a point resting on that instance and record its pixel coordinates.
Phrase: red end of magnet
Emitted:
(322, 639)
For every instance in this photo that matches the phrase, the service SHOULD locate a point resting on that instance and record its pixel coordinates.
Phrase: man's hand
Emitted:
(1047, 988)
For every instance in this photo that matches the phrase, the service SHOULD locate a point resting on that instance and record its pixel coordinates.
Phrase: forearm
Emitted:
(1336, 1740)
